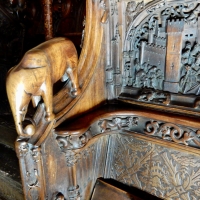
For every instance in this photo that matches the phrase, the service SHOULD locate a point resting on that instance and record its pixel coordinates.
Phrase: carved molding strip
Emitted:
(164, 130)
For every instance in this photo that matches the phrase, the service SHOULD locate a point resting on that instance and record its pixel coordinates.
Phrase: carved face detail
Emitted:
(131, 6)
(198, 60)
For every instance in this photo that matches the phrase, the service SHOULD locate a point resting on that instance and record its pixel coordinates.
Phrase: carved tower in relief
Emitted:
(173, 55)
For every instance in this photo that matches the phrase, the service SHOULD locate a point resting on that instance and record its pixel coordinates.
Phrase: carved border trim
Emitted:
(179, 134)
(172, 132)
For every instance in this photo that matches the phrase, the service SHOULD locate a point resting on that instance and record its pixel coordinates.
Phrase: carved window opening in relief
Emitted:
(161, 60)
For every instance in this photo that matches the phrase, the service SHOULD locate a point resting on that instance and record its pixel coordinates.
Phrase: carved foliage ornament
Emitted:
(165, 173)
(72, 156)
(73, 141)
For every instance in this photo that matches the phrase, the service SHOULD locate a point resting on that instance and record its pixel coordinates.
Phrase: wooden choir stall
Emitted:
(126, 110)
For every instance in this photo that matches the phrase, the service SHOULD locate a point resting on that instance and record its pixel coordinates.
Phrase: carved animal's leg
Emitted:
(72, 73)
(47, 96)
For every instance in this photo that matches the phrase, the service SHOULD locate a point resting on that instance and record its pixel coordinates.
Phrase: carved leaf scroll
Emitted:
(175, 133)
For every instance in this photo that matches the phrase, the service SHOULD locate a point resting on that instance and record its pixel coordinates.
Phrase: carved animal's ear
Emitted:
(34, 58)
(35, 100)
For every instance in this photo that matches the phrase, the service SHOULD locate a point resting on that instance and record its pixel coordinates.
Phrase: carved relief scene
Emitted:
(161, 55)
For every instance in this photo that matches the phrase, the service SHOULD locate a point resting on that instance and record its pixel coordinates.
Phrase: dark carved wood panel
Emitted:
(164, 172)
(153, 56)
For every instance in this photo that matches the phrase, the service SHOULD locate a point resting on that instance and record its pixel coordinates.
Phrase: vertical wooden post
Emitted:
(48, 22)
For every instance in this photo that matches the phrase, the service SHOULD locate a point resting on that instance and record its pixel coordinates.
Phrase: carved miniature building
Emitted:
(173, 55)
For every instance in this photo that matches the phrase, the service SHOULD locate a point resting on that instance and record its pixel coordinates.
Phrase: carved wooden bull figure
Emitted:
(34, 76)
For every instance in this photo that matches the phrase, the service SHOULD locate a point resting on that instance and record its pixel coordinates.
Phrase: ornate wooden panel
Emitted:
(153, 53)
(140, 52)
(164, 172)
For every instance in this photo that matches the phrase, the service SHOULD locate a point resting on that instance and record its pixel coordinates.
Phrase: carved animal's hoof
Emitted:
(49, 117)
(76, 92)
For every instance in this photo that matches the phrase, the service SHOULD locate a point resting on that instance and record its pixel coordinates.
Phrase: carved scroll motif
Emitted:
(74, 141)
(175, 133)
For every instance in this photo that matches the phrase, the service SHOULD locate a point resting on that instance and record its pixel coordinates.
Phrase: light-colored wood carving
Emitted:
(35, 75)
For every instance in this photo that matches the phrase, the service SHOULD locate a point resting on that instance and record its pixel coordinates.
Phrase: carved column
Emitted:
(48, 22)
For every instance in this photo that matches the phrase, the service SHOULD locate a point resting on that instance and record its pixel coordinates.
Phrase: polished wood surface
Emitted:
(129, 110)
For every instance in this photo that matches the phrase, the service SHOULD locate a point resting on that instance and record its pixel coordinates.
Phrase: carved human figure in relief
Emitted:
(190, 70)
(148, 76)
(127, 74)
(35, 75)
(131, 9)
